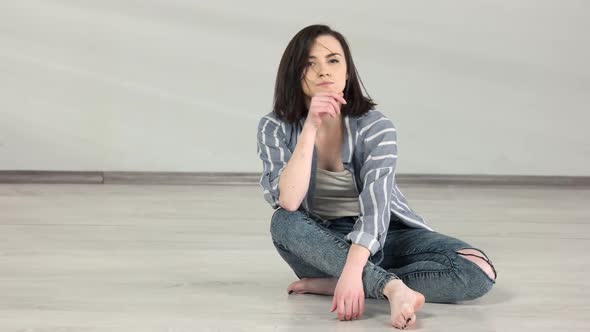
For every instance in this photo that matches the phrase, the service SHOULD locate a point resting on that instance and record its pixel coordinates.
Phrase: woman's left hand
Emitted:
(349, 295)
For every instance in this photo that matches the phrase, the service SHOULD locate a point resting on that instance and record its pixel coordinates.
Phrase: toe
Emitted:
(398, 321)
(294, 287)
(407, 313)
(402, 323)
(419, 303)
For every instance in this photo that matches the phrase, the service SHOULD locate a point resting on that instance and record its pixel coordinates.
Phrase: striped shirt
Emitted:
(369, 152)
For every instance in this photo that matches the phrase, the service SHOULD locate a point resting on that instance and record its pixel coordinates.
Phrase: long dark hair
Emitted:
(289, 99)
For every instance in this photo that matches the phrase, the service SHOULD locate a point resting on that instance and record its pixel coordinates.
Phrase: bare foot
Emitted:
(404, 303)
(322, 286)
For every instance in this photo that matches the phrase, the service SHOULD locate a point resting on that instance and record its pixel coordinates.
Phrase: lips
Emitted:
(324, 83)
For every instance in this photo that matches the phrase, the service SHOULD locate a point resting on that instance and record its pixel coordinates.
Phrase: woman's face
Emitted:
(326, 65)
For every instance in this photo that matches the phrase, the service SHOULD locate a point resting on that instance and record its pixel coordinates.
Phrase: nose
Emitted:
(323, 71)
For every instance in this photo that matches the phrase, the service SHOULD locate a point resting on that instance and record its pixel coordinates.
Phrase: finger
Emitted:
(341, 99)
(341, 309)
(325, 107)
(333, 307)
(349, 306)
(324, 93)
(336, 98)
(336, 95)
(335, 106)
(329, 99)
(324, 104)
(361, 305)
(330, 105)
(354, 308)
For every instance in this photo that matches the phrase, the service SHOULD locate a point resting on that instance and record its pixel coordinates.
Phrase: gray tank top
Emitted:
(335, 195)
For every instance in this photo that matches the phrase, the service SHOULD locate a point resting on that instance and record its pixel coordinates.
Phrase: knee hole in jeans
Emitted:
(480, 259)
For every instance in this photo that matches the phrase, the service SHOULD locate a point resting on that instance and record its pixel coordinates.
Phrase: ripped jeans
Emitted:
(426, 261)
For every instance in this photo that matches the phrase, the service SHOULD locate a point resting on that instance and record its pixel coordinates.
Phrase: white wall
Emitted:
(474, 87)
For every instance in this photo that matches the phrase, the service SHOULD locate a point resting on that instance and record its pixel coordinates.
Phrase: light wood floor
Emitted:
(199, 258)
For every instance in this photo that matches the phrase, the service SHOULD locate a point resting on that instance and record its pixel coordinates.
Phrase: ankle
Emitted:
(391, 286)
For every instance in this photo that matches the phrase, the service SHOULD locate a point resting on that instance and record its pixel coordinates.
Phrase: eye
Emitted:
(309, 64)
(334, 61)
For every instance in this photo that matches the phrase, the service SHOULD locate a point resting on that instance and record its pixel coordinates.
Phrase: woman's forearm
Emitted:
(357, 258)
(294, 179)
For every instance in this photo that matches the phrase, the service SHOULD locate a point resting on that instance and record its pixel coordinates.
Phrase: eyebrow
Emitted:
(327, 56)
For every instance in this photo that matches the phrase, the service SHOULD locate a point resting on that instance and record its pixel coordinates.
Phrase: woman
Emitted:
(341, 222)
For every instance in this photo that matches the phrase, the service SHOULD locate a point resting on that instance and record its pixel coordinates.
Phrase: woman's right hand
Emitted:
(323, 104)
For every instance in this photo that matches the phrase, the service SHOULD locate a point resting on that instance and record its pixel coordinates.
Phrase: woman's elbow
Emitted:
(289, 206)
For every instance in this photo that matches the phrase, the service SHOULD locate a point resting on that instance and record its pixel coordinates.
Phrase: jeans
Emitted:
(425, 261)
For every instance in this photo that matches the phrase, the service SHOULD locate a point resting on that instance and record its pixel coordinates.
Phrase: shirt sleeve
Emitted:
(379, 155)
(274, 153)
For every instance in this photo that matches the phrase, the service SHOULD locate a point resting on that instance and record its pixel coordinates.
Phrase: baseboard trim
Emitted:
(171, 178)
(229, 178)
(494, 180)
(51, 177)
